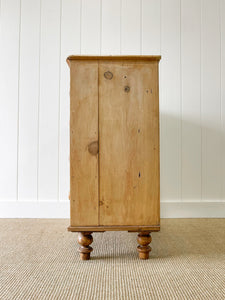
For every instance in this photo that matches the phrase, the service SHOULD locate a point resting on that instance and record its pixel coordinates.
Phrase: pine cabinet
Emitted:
(114, 147)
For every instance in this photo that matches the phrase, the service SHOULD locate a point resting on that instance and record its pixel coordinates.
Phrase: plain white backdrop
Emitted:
(38, 35)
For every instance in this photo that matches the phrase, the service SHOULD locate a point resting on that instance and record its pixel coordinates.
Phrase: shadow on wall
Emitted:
(192, 159)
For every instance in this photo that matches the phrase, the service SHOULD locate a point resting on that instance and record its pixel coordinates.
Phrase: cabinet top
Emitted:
(114, 57)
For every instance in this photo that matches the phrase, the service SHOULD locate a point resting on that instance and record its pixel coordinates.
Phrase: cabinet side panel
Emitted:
(83, 132)
(129, 143)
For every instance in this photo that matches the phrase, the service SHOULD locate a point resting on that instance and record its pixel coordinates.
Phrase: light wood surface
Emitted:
(83, 137)
(114, 57)
(114, 228)
(129, 143)
(114, 147)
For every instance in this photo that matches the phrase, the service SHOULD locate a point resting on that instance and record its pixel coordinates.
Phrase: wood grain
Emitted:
(85, 239)
(129, 143)
(83, 132)
(144, 239)
(114, 228)
(135, 58)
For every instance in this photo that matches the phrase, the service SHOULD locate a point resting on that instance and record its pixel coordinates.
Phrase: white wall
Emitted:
(38, 35)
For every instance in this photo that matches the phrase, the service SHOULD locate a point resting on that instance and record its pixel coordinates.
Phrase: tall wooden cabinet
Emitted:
(114, 147)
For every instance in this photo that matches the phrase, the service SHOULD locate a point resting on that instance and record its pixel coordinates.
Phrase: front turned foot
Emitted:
(85, 239)
(144, 239)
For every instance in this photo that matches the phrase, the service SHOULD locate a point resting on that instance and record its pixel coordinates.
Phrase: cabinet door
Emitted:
(84, 143)
(129, 143)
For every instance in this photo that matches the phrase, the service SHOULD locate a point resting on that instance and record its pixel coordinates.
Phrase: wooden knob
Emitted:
(93, 148)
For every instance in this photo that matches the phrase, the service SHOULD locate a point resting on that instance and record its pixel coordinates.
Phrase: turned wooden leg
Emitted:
(144, 239)
(85, 239)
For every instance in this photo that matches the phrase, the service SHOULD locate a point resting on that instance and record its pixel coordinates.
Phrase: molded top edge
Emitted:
(114, 57)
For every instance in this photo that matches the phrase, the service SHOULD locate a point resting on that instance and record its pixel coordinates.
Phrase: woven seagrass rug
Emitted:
(38, 260)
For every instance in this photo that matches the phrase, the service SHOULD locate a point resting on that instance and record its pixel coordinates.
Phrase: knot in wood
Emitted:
(126, 89)
(108, 75)
(93, 148)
